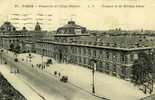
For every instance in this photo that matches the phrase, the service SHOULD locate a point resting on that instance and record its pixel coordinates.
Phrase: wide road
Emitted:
(47, 85)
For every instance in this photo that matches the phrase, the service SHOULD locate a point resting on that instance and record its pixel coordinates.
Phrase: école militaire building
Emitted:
(113, 54)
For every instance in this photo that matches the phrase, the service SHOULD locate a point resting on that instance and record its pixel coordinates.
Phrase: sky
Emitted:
(93, 14)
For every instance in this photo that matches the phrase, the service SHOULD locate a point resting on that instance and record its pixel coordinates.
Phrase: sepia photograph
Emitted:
(77, 50)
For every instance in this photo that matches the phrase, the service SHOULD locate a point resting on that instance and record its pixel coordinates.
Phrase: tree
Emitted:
(142, 68)
(136, 72)
(16, 59)
(153, 60)
(12, 46)
(17, 49)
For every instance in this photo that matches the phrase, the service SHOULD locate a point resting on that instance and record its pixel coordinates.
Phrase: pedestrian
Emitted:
(55, 72)
(59, 74)
(17, 70)
(39, 65)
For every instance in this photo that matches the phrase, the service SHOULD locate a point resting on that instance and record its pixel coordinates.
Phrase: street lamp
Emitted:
(42, 56)
(1, 55)
(93, 63)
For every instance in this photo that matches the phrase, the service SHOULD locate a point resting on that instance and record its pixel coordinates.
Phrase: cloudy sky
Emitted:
(93, 14)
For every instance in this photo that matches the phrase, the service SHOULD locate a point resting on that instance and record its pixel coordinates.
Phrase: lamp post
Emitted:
(93, 63)
(1, 55)
(15, 54)
(42, 57)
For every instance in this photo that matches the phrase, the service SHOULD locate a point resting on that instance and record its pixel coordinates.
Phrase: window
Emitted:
(75, 49)
(89, 52)
(72, 50)
(79, 50)
(114, 68)
(132, 57)
(75, 59)
(123, 70)
(84, 51)
(84, 60)
(114, 57)
(107, 55)
(80, 60)
(114, 71)
(107, 67)
(100, 51)
(124, 58)
(94, 53)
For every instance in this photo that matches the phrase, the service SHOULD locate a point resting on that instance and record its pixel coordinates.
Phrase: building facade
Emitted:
(114, 55)
(11, 38)
(72, 43)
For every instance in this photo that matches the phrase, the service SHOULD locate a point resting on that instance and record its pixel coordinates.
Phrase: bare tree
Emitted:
(142, 68)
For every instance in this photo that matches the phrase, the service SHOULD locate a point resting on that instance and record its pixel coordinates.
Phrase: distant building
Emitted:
(7, 27)
(11, 38)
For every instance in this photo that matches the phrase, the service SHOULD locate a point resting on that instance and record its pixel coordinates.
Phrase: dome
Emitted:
(7, 27)
(71, 28)
(37, 27)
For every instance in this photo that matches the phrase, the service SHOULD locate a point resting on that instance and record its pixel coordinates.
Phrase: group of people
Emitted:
(62, 77)
(14, 70)
(56, 73)
(42, 66)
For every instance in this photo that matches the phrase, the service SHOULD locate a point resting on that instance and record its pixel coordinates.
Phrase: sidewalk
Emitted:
(7, 91)
(19, 84)
(105, 85)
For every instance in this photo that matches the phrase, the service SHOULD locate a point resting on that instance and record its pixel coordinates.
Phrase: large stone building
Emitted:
(113, 55)
(10, 38)
(7, 27)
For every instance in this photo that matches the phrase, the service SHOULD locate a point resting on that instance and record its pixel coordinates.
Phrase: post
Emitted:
(42, 61)
(93, 62)
(1, 55)
(93, 85)
(42, 58)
